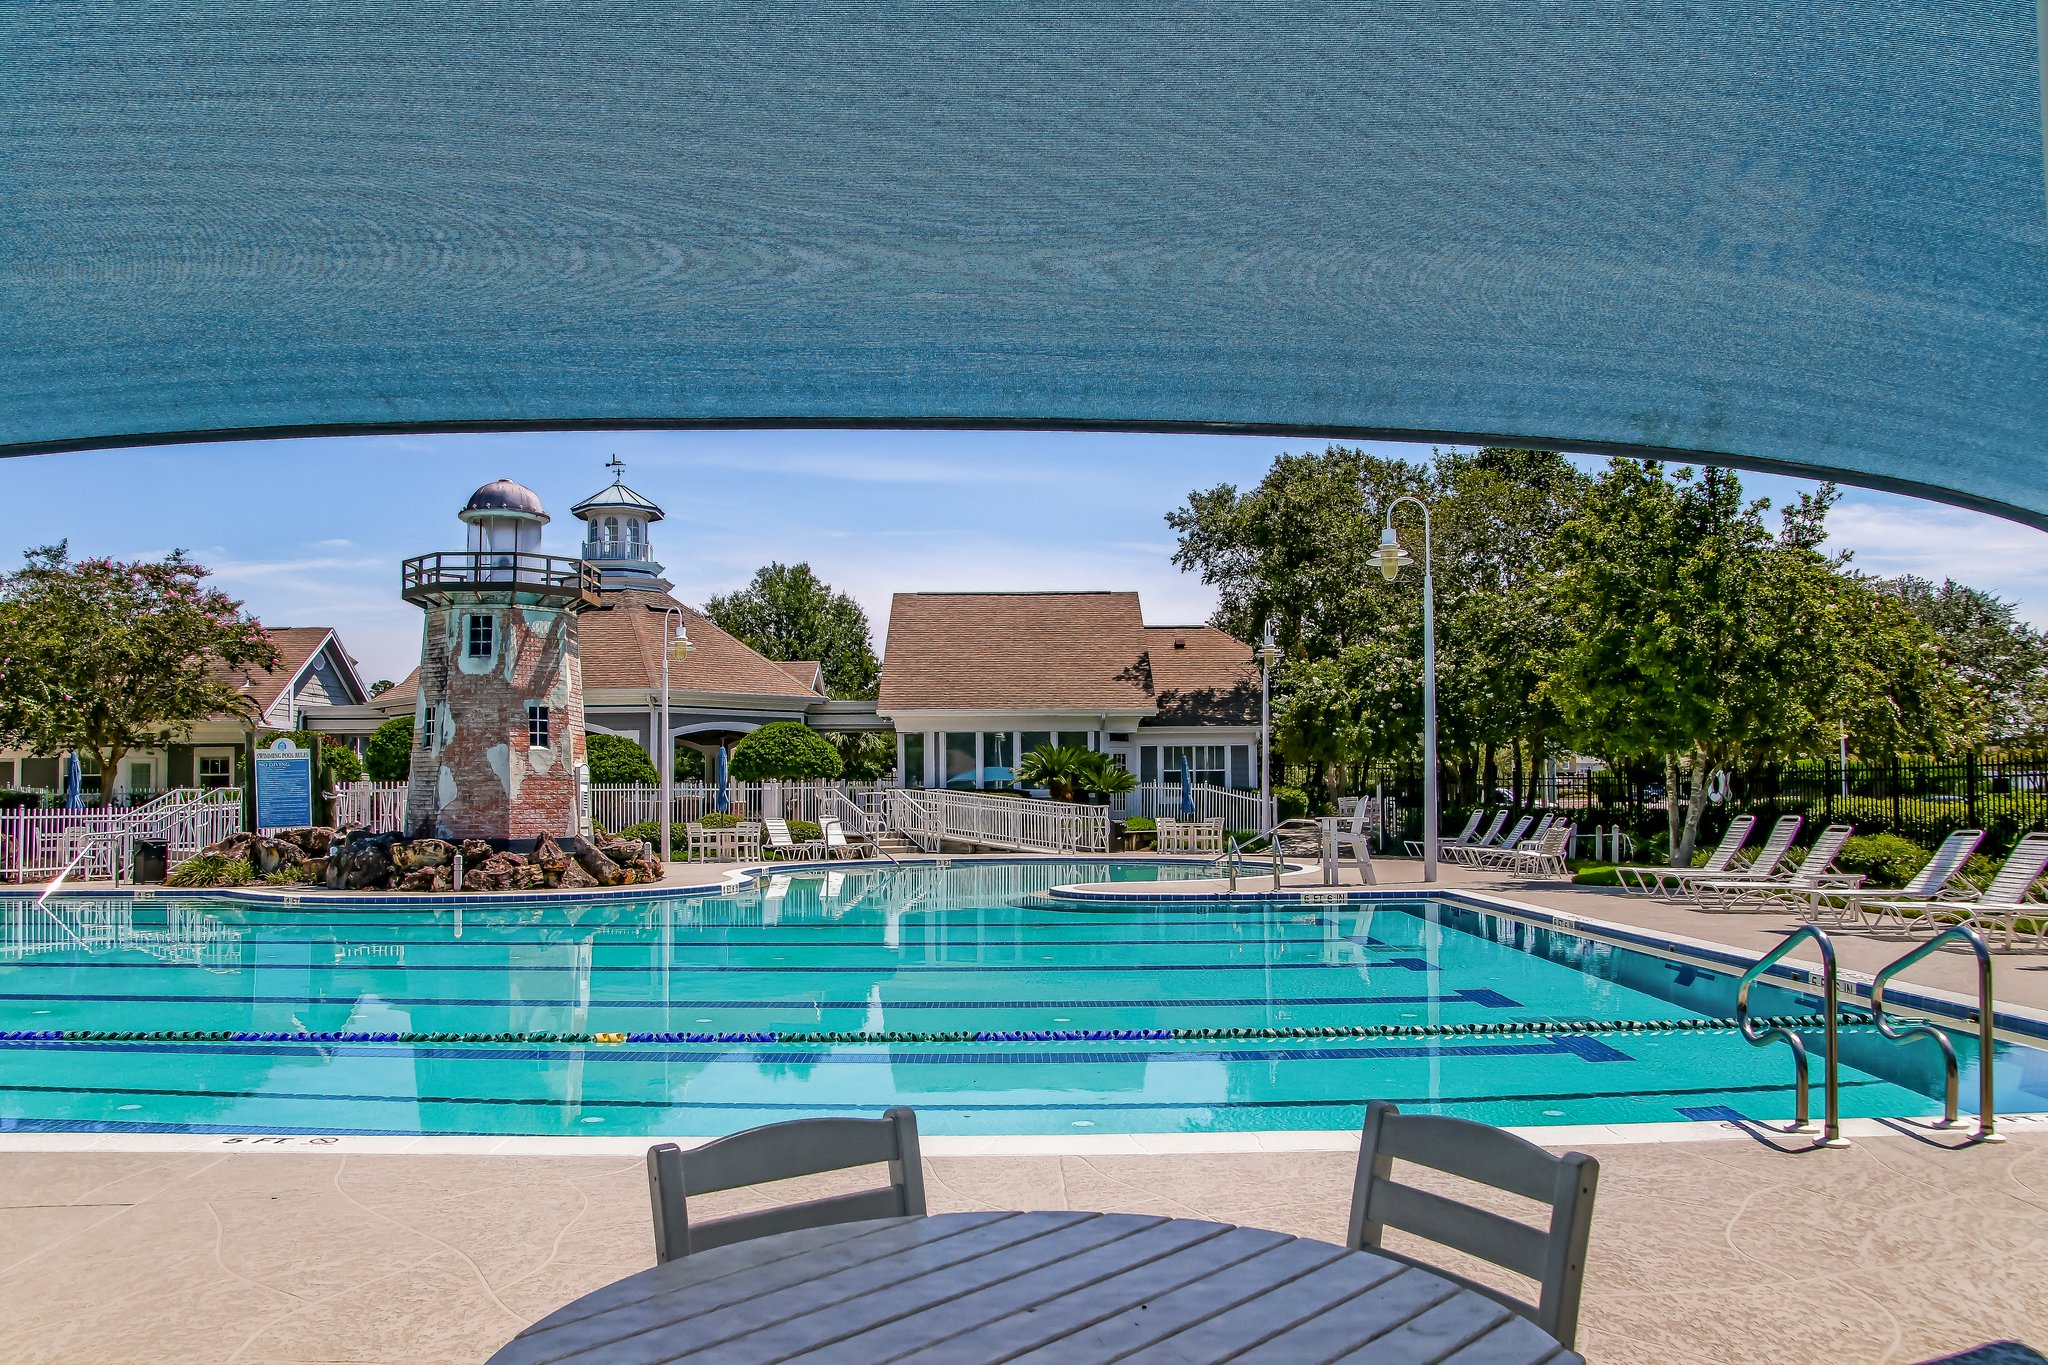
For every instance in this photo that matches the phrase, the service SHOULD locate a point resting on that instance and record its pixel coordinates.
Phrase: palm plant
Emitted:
(1056, 767)
(1102, 775)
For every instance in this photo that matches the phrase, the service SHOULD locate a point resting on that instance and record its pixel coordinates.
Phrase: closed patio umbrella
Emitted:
(1187, 790)
(724, 800)
(74, 782)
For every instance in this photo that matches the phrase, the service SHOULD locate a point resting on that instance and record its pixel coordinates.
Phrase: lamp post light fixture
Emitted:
(1391, 559)
(667, 747)
(1268, 651)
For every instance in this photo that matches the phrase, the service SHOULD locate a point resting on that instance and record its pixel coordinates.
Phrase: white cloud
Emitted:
(334, 544)
(1900, 536)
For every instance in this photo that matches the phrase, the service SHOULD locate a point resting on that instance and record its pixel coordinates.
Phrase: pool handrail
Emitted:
(1831, 999)
(1987, 1118)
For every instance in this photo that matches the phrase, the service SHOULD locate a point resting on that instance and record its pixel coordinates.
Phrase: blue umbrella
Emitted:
(74, 779)
(1187, 790)
(724, 802)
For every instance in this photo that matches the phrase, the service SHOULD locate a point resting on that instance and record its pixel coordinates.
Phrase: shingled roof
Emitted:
(261, 687)
(1050, 651)
(1201, 676)
(621, 642)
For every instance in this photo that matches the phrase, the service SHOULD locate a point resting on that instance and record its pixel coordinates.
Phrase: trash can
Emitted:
(152, 859)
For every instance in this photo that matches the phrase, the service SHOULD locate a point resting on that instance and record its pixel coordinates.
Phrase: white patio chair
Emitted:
(2003, 903)
(783, 1151)
(1814, 871)
(1645, 881)
(1465, 836)
(1553, 1256)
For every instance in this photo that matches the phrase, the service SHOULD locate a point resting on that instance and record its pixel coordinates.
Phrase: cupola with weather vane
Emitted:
(618, 534)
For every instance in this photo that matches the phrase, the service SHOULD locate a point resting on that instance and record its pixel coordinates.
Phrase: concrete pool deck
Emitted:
(1728, 1251)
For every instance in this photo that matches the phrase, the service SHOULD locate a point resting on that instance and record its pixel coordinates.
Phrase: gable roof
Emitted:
(622, 642)
(1202, 676)
(808, 672)
(297, 649)
(1015, 651)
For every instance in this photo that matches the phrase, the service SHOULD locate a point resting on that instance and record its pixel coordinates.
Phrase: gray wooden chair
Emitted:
(1489, 1156)
(783, 1151)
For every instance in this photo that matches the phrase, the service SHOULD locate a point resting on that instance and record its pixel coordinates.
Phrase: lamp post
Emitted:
(667, 747)
(1267, 651)
(1391, 559)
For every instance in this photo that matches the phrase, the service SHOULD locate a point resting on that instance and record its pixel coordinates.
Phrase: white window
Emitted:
(633, 536)
(428, 727)
(481, 631)
(536, 726)
(611, 533)
(1205, 762)
(138, 778)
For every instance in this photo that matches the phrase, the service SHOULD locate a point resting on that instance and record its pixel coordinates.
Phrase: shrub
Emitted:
(803, 831)
(615, 760)
(1884, 859)
(1594, 874)
(210, 869)
(1290, 803)
(20, 800)
(388, 755)
(338, 762)
(689, 764)
(719, 820)
(305, 874)
(785, 749)
(649, 833)
(1138, 824)
(1056, 767)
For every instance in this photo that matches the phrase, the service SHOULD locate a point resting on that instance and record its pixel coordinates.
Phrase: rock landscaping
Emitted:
(356, 860)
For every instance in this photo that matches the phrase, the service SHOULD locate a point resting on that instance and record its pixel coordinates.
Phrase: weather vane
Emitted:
(618, 468)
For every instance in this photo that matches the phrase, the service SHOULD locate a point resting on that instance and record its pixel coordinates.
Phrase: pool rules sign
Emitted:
(284, 786)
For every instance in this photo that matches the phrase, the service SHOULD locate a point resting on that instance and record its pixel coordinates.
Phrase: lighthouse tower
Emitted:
(498, 738)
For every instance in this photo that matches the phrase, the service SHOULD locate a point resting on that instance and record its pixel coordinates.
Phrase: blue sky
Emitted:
(310, 532)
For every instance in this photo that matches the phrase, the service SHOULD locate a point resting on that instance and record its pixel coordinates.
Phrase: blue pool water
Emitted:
(910, 949)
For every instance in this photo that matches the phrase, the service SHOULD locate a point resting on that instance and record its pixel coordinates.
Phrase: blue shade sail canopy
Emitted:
(1809, 237)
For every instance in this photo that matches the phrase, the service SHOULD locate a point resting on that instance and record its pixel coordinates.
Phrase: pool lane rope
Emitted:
(1524, 1028)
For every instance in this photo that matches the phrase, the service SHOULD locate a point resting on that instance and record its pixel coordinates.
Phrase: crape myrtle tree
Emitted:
(788, 612)
(103, 657)
(1695, 635)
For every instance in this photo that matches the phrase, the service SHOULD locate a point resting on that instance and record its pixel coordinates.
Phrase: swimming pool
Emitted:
(912, 950)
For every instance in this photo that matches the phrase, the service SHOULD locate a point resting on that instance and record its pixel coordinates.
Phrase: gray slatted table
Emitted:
(1047, 1287)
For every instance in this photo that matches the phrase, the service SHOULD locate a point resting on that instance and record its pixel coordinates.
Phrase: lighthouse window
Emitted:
(536, 726)
(611, 532)
(480, 637)
(427, 727)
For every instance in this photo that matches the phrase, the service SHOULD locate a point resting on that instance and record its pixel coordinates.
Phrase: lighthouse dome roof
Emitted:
(504, 498)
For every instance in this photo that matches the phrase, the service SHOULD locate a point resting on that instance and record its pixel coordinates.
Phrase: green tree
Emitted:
(1999, 660)
(338, 762)
(381, 686)
(102, 657)
(689, 764)
(615, 760)
(388, 755)
(785, 749)
(788, 612)
(865, 755)
(1698, 637)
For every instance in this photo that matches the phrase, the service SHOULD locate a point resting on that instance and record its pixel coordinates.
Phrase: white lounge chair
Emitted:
(2004, 902)
(1465, 836)
(780, 843)
(840, 844)
(1471, 854)
(1502, 855)
(1770, 859)
(1546, 856)
(1930, 883)
(1814, 871)
(1645, 881)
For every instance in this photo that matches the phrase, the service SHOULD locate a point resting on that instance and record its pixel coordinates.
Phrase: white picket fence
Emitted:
(38, 844)
(1161, 800)
(931, 816)
(377, 806)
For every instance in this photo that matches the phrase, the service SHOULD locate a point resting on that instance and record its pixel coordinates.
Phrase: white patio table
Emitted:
(1070, 1288)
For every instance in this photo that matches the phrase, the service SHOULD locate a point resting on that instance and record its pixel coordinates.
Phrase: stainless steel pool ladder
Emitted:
(1831, 997)
(1987, 1118)
(1233, 854)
